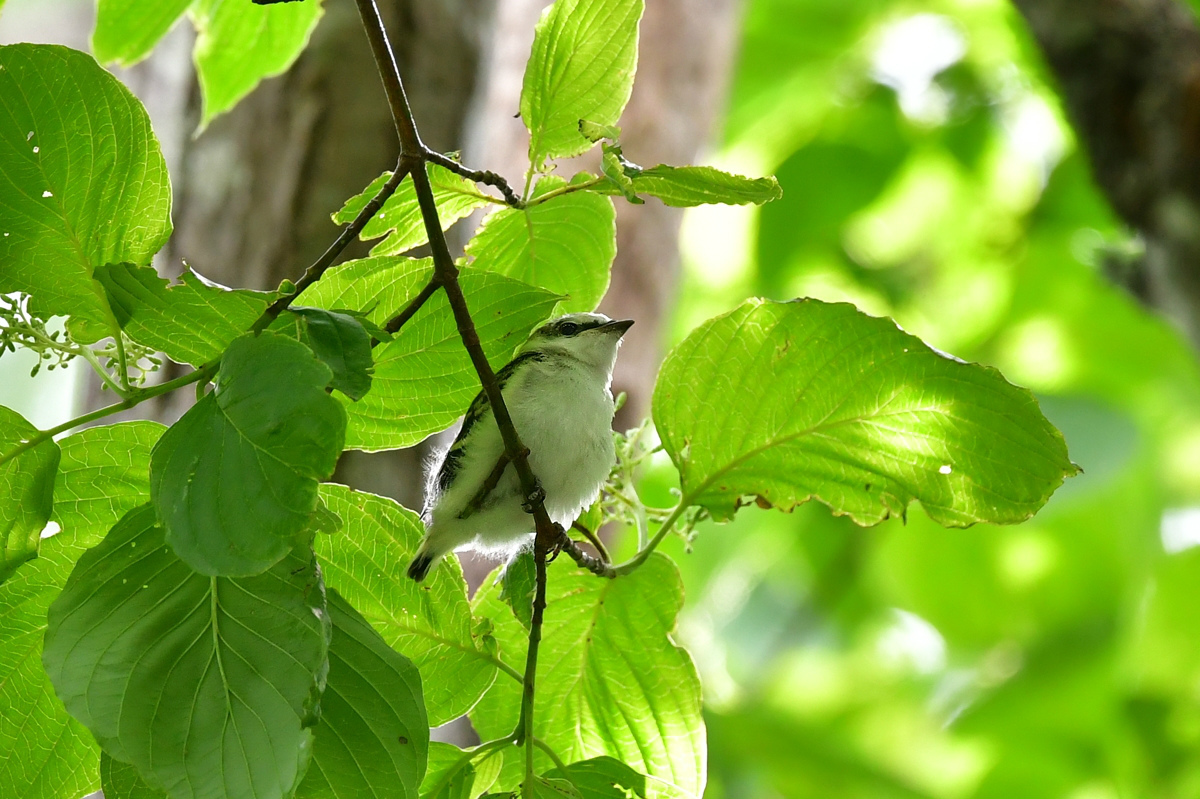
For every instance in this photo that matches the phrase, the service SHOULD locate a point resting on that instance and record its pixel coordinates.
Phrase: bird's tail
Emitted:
(422, 562)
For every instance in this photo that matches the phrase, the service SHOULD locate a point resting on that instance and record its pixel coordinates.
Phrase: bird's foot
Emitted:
(560, 540)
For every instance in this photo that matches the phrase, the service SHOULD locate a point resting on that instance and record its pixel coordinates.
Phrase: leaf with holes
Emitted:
(373, 737)
(84, 183)
(687, 186)
(192, 321)
(240, 664)
(26, 491)
(611, 682)
(581, 68)
(235, 480)
(565, 244)
(424, 379)
(400, 217)
(787, 402)
(430, 623)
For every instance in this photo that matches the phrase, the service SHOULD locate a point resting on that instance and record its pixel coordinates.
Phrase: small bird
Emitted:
(558, 390)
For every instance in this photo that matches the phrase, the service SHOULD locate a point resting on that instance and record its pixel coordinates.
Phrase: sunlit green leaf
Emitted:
(582, 64)
(856, 413)
(84, 183)
(339, 340)
(48, 753)
(26, 491)
(240, 43)
(430, 622)
(453, 775)
(603, 778)
(424, 379)
(610, 679)
(685, 186)
(235, 480)
(127, 30)
(192, 321)
(565, 245)
(400, 217)
(104, 473)
(373, 735)
(239, 662)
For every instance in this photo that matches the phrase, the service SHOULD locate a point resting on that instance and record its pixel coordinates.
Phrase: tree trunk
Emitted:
(1129, 73)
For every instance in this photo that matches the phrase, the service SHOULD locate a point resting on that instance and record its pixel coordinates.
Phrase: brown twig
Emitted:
(319, 266)
(597, 566)
(447, 274)
(485, 176)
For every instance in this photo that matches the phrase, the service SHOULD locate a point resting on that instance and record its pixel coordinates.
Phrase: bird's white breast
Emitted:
(566, 423)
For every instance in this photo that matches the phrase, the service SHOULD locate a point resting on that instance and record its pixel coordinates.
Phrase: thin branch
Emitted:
(140, 395)
(558, 763)
(478, 175)
(401, 319)
(593, 539)
(645, 552)
(567, 189)
(597, 566)
(319, 266)
(447, 274)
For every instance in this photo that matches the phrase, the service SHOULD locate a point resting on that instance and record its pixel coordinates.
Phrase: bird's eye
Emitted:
(568, 328)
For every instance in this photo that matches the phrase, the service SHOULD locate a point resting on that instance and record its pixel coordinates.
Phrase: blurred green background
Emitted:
(929, 174)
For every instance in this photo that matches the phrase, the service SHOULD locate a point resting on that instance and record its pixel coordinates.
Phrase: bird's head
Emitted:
(591, 338)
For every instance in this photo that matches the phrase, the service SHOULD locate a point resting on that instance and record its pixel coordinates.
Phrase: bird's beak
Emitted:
(620, 326)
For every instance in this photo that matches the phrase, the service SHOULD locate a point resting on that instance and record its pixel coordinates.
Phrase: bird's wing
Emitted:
(480, 407)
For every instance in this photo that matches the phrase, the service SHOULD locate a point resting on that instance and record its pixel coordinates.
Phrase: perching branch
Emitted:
(446, 273)
(597, 566)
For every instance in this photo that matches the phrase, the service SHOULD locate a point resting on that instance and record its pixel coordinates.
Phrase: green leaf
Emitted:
(603, 778)
(192, 321)
(424, 379)
(453, 775)
(610, 679)
(856, 413)
(239, 663)
(235, 480)
(339, 340)
(517, 584)
(450, 774)
(594, 133)
(544, 788)
(127, 30)
(84, 183)
(400, 217)
(239, 43)
(48, 754)
(565, 245)
(104, 474)
(430, 622)
(373, 736)
(686, 186)
(26, 491)
(121, 781)
(582, 64)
